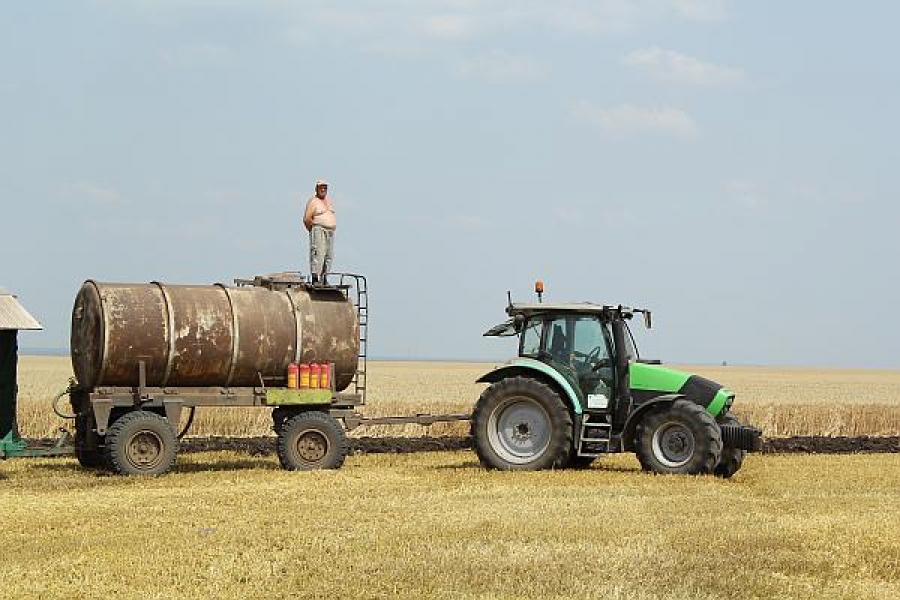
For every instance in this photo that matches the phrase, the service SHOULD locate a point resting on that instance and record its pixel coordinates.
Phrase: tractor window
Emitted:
(559, 339)
(531, 338)
(576, 341)
(589, 346)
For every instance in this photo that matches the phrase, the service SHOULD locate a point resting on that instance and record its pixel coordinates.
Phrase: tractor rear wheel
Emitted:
(732, 458)
(680, 439)
(312, 440)
(520, 423)
(141, 443)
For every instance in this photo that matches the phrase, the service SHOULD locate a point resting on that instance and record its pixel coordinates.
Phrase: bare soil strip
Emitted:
(265, 446)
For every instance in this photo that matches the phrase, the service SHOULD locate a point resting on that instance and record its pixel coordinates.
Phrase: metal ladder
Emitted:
(361, 304)
(594, 435)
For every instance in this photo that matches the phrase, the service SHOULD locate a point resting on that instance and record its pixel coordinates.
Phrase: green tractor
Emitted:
(578, 389)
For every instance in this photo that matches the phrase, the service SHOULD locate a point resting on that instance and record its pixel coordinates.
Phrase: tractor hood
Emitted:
(649, 381)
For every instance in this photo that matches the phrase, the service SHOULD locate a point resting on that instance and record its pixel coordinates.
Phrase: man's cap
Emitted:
(321, 182)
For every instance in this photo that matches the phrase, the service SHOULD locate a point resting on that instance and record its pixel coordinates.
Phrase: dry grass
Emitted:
(781, 401)
(438, 526)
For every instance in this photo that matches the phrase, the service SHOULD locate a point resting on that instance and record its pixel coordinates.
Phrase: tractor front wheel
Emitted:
(680, 439)
(522, 424)
(732, 458)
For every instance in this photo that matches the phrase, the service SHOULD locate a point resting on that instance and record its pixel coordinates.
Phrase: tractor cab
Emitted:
(583, 342)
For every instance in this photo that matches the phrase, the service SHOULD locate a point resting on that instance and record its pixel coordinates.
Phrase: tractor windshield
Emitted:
(531, 338)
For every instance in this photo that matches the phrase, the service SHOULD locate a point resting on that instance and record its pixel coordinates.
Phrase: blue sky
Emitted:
(731, 165)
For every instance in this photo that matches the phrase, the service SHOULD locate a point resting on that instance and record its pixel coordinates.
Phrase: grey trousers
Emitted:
(321, 245)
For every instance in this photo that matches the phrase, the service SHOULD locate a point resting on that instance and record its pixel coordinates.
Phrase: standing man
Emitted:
(320, 221)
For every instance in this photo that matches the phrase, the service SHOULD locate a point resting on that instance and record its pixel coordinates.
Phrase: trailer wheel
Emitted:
(312, 440)
(141, 443)
(732, 458)
(680, 439)
(520, 423)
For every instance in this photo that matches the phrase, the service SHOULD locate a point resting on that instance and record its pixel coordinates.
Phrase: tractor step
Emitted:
(594, 435)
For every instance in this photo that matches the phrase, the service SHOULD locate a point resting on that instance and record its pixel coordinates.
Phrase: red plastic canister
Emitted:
(293, 376)
(304, 376)
(325, 376)
(315, 372)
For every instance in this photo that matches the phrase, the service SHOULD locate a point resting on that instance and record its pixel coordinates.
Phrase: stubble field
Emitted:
(436, 525)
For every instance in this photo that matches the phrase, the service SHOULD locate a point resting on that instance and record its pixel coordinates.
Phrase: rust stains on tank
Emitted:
(189, 335)
(202, 336)
(266, 333)
(329, 330)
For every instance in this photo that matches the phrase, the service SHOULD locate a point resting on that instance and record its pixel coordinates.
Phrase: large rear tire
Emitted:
(520, 423)
(732, 458)
(680, 439)
(312, 440)
(141, 443)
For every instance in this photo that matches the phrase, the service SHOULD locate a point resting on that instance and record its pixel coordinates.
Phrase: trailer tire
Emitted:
(312, 440)
(520, 423)
(732, 458)
(681, 438)
(141, 443)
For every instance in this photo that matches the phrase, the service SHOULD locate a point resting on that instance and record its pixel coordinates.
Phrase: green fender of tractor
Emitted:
(529, 367)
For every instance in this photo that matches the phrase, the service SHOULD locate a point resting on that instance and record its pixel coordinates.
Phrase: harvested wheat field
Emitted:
(783, 402)
(436, 525)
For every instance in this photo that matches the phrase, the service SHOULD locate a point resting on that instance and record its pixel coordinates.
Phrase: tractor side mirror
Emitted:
(647, 320)
(518, 322)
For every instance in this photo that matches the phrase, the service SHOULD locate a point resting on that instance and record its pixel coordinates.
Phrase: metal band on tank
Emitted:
(103, 328)
(235, 336)
(299, 338)
(170, 324)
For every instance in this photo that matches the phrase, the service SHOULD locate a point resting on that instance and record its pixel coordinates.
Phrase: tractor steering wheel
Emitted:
(593, 359)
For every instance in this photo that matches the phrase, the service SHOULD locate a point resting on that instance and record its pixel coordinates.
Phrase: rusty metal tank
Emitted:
(213, 335)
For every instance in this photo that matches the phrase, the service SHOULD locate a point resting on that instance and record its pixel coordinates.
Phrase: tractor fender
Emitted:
(528, 367)
(635, 417)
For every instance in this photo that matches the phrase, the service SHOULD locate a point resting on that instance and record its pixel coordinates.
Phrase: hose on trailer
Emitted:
(188, 424)
(73, 416)
(56, 409)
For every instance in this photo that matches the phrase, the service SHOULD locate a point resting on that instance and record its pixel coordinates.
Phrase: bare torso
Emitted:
(320, 211)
